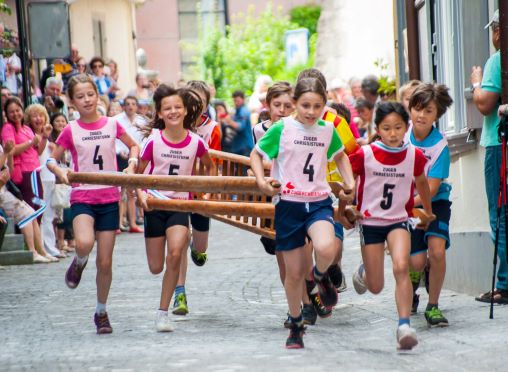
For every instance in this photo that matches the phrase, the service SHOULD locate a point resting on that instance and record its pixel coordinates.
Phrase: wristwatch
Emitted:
(474, 86)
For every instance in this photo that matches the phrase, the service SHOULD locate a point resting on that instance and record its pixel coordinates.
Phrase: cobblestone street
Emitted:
(237, 306)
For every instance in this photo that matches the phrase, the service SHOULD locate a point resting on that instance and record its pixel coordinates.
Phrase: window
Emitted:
(195, 17)
(99, 37)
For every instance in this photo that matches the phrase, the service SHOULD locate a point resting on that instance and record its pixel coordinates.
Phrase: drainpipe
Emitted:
(23, 51)
(413, 42)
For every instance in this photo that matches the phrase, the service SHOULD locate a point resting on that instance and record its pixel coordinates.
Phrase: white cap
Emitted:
(495, 19)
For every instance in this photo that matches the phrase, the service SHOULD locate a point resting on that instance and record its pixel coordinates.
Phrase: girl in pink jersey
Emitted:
(300, 147)
(172, 149)
(91, 142)
(209, 131)
(386, 170)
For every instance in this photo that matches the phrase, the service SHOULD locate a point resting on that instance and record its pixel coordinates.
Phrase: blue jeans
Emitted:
(492, 168)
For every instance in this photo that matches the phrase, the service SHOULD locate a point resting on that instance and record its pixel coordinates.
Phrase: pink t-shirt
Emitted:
(173, 158)
(28, 160)
(98, 145)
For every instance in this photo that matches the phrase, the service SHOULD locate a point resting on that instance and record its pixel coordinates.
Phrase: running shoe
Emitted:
(343, 285)
(435, 318)
(309, 314)
(73, 274)
(198, 258)
(321, 310)
(358, 282)
(288, 323)
(102, 323)
(327, 292)
(335, 275)
(406, 337)
(416, 277)
(180, 305)
(162, 323)
(295, 339)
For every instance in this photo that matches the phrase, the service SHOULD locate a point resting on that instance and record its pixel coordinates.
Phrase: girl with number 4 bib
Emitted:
(386, 169)
(91, 142)
(171, 150)
(300, 147)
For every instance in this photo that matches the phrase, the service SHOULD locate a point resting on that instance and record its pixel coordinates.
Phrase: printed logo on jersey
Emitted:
(96, 135)
(309, 141)
(175, 154)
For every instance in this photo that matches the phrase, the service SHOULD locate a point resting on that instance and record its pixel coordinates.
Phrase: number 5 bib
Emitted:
(386, 189)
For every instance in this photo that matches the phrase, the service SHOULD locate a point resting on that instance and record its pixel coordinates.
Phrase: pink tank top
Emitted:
(301, 162)
(387, 189)
(175, 161)
(205, 130)
(95, 151)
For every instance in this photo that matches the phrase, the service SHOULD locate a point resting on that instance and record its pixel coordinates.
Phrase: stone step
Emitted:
(16, 258)
(13, 242)
(10, 226)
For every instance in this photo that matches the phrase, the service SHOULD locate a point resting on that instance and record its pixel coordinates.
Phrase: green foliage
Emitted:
(252, 45)
(4, 8)
(387, 85)
(306, 16)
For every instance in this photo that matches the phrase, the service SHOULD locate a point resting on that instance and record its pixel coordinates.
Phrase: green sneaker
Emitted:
(435, 318)
(180, 305)
(415, 277)
(198, 258)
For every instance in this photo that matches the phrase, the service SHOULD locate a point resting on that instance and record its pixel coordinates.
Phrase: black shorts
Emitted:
(157, 222)
(105, 216)
(199, 222)
(378, 234)
(439, 227)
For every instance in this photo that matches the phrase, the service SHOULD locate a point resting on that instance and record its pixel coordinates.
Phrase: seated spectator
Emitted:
(365, 122)
(21, 213)
(82, 65)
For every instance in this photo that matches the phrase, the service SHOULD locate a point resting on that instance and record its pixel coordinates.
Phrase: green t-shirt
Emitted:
(269, 144)
(491, 82)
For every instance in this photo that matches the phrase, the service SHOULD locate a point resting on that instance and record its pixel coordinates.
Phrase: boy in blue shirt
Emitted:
(427, 104)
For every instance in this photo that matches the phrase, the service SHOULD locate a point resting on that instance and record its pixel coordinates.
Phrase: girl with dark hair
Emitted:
(387, 169)
(171, 149)
(300, 147)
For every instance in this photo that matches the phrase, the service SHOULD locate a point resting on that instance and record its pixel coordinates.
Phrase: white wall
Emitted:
(352, 35)
(117, 17)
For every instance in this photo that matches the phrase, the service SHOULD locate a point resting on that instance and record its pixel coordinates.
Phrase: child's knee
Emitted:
(400, 268)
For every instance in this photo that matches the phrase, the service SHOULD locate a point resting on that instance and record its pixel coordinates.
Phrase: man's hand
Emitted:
(50, 105)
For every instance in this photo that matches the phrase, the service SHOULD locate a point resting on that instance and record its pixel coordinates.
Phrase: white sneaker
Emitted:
(406, 337)
(40, 259)
(358, 282)
(343, 285)
(162, 323)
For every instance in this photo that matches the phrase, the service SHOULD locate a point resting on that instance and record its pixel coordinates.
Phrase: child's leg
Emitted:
(39, 244)
(293, 283)
(200, 240)
(155, 254)
(399, 246)
(177, 238)
(84, 234)
(131, 210)
(373, 256)
(322, 235)
(104, 263)
(437, 258)
(282, 266)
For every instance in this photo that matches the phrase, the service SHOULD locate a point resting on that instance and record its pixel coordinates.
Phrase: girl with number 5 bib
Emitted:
(91, 142)
(386, 170)
(300, 147)
(171, 149)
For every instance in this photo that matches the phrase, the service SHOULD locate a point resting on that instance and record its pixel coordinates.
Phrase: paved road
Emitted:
(237, 308)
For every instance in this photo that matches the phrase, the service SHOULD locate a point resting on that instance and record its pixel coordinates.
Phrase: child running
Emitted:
(172, 149)
(427, 104)
(209, 131)
(386, 171)
(91, 141)
(300, 148)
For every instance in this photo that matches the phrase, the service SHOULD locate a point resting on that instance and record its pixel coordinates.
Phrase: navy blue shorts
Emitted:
(293, 219)
(339, 230)
(379, 234)
(106, 216)
(199, 222)
(157, 222)
(439, 227)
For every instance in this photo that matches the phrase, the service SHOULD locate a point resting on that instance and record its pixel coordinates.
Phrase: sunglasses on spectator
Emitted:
(98, 66)
(81, 65)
